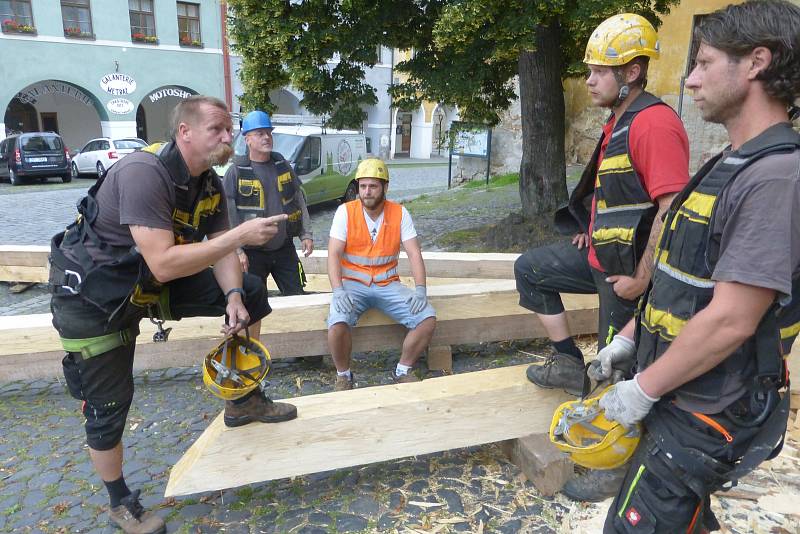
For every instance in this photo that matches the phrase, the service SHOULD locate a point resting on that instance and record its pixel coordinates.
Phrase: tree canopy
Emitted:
(466, 54)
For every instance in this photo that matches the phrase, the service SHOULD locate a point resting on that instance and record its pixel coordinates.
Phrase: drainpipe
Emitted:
(226, 54)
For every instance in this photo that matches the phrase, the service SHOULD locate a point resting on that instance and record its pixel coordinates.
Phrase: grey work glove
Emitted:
(627, 403)
(342, 302)
(418, 300)
(618, 354)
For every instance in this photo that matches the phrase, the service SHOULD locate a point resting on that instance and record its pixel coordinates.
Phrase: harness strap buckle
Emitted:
(67, 276)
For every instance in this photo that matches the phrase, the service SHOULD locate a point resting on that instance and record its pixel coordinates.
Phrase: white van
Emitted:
(325, 162)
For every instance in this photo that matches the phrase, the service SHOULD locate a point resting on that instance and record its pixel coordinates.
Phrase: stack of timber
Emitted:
(28, 263)
(466, 313)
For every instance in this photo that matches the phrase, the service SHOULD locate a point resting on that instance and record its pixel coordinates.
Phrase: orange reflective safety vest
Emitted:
(371, 262)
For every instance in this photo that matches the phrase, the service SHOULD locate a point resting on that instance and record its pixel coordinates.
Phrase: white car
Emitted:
(101, 153)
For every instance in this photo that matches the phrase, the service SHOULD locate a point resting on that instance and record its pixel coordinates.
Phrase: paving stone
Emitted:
(311, 529)
(350, 523)
(387, 521)
(396, 500)
(454, 504)
(196, 510)
(396, 483)
(318, 518)
(510, 527)
(365, 506)
(418, 486)
(462, 527)
(50, 477)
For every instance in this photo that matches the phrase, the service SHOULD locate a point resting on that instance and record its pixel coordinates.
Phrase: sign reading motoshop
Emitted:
(120, 106)
(176, 92)
(118, 84)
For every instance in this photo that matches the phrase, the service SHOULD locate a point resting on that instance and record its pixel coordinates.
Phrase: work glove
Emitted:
(618, 354)
(342, 302)
(626, 402)
(418, 300)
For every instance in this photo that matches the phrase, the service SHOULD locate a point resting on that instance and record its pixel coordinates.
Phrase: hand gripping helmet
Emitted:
(621, 38)
(235, 367)
(255, 120)
(580, 429)
(373, 168)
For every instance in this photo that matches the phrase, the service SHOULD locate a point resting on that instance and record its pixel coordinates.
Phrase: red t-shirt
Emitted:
(659, 149)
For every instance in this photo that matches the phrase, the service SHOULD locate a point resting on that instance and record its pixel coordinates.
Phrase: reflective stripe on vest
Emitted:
(371, 262)
(681, 284)
(623, 209)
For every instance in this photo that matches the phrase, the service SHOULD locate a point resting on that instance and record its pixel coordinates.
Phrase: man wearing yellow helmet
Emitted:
(363, 250)
(722, 309)
(641, 161)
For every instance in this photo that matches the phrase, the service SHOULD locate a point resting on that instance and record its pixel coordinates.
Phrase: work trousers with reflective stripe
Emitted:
(657, 494)
(544, 272)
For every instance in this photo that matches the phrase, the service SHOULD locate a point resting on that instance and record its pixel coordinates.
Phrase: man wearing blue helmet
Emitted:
(262, 184)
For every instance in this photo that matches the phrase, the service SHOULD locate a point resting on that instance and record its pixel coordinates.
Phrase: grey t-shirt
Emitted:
(139, 191)
(757, 223)
(267, 174)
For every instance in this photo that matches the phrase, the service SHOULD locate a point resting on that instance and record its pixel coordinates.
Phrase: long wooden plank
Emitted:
(437, 264)
(29, 346)
(23, 273)
(368, 425)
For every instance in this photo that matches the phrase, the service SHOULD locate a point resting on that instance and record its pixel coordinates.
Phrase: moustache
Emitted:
(220, 155)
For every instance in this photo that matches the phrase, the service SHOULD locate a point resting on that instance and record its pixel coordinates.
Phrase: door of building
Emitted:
(49, 122)
(405, 142)
(141, 124)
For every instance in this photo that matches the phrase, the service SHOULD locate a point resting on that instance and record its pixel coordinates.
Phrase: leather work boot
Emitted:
(343, 383)
(558, 371)
(594, 485)
(407, 378)
(258, 407)
(131, 518)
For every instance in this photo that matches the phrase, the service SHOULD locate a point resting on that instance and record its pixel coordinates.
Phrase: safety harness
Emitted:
(681, 286)
(251, 199)
(624, 211)
(109, 286)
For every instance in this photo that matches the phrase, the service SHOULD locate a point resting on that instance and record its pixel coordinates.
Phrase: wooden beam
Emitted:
(361, 426)
(437, 264)
(543, 465)
(30, 347)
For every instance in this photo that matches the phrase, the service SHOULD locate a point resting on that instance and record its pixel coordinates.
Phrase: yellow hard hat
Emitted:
(372, 168)
(235, 367)
(621, 38)
(580, 429)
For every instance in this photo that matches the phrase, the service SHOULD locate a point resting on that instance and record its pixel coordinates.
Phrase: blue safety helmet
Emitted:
(255, 120)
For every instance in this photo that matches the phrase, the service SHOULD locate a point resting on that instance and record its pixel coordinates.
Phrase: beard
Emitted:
(220, 155)
(372, 203)
(724, 105)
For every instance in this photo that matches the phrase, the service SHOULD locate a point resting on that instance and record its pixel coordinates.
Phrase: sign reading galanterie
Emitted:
(118, 84)
(120, 106)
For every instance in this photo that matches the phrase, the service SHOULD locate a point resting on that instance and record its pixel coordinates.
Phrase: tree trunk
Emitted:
(542, 178)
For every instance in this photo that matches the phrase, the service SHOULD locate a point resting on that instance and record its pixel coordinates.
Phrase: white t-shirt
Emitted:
(339, 225)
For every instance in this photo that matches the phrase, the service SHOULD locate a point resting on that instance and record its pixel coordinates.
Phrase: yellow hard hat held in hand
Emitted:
(235, 367)
(619, 39)
(580, 429)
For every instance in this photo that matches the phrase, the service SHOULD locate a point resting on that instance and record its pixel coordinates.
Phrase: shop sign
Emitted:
(30, 96)
(120, 106)
(118, 84)
(155, 96)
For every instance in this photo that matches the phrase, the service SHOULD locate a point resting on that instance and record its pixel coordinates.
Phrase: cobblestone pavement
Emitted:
(47, 484)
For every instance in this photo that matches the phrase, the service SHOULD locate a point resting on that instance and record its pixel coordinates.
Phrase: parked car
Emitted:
(101, 153)
(325, 161)
(37, 155)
